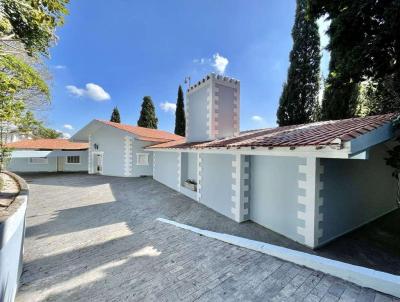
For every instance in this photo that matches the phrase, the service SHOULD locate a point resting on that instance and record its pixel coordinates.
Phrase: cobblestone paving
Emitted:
(95, 238)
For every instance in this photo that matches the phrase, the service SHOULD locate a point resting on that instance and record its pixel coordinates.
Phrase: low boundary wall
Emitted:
(12, 234)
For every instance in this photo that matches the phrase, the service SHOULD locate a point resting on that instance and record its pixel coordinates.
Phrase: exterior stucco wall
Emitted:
(141, 170)
(167, 169)
(23, 165)
(188, 166)
(274, 194)
(120, 151)
(225, 113)
(216, 183)
(82, 166)
(111, 143)
(12, 234)
(355, 192)
(197, 112)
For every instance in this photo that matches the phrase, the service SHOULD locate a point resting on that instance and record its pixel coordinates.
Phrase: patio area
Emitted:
(95, 238)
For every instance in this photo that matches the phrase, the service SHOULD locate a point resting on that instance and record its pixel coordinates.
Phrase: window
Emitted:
(73, 159)
(142, 159)
(38, 160)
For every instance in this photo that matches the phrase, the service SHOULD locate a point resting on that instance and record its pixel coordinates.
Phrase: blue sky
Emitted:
(112, 53)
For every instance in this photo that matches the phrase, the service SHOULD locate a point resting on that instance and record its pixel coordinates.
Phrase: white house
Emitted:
(48, 155)
(311, 183)
(119, 150)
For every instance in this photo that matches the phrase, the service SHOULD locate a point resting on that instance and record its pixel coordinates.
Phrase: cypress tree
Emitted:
(364, 45)
(180, 119)
(115, 117)
(148, 117)
(300, 92)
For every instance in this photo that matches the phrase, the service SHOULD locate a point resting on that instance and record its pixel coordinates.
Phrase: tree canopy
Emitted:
(115, 117)
(299, 97)
(180, 119)
(364, 45)
(148, 118)
(32, 23)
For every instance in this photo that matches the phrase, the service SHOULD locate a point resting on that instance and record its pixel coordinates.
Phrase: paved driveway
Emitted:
(95, 238)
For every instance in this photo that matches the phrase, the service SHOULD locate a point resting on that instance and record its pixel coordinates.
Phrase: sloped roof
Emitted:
(326, 133)
(48, 144)
(146, 134)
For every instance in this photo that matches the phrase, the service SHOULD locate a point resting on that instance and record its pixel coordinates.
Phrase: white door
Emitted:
(97, 163)
(60, 163)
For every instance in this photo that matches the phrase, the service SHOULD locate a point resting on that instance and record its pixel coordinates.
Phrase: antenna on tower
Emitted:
(187, 81)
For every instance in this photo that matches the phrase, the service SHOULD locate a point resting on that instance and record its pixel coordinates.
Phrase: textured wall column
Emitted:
(179, 160)
(128, 161)
(311, 201)
(240, 187)
(210, 113)
(199, 167)
(90, 164)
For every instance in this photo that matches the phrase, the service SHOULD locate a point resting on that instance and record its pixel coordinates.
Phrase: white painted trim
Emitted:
(141, 154)
(128, 160)
(66, 160)
(365, 277)
(199, 182)
(311, 201)
(90, 168)
(178, 185)
(236, 188)
(311, 151)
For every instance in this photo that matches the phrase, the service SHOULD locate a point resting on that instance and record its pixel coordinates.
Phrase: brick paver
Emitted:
(95, 238)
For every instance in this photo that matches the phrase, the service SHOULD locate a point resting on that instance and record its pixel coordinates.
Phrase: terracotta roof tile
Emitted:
(48, 144)
(313, 134)
(145, 134)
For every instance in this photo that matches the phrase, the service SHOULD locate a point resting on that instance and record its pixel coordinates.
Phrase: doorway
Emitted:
(97, 163)
(60, 163)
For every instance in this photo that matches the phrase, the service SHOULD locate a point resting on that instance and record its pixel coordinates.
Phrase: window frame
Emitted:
(41, 163)
(138, 155)
(72, 163)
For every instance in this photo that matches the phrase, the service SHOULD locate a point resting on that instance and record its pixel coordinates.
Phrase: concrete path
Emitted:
(95, 238)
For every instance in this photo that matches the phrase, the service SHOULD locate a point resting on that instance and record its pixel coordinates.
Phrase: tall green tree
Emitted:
(32, 23)
(27, 30)
(115, 117)
(148, 118)
(365, 45)
(299, 97)
(180, 119)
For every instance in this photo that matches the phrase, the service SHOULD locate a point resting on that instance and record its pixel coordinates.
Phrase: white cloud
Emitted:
(220, 63)
(68, 126)
(66, 135)
(168, 107)
(60, 67)
(257, 118)
(91, 90)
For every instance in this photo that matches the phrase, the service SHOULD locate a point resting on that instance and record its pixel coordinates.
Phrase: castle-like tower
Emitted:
(213, 108)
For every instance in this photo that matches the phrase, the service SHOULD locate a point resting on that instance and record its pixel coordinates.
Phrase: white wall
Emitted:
(82, 166)
(274, 194)
(23, 165)
(141, 170)
(111, 143)
(120, 153)
(355, 192)
(167, 168)
(216, 183)
(12, 230)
